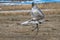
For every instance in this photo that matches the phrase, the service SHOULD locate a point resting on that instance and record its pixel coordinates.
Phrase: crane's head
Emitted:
(32, 4)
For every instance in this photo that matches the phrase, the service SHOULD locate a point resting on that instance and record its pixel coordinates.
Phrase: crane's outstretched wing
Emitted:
(29, 22)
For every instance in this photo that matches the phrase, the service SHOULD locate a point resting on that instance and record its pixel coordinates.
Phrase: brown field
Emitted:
(10, 29)
(26, 7)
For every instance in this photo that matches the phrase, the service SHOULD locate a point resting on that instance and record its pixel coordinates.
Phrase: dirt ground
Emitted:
(10, 29)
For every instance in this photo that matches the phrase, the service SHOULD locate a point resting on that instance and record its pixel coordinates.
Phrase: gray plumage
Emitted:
(36, 13)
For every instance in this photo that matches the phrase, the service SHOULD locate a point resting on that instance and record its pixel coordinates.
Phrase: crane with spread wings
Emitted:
(37, 17)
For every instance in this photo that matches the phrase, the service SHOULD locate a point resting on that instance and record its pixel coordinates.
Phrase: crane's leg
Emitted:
(36, 28)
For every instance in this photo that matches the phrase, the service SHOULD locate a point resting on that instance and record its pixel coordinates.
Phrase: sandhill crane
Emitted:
(37, 17)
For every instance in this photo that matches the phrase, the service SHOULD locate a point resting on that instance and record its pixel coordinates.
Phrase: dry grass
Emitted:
(26, 7)
(15, 13)
(16, 7)
(28, 13)
(49, 6)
